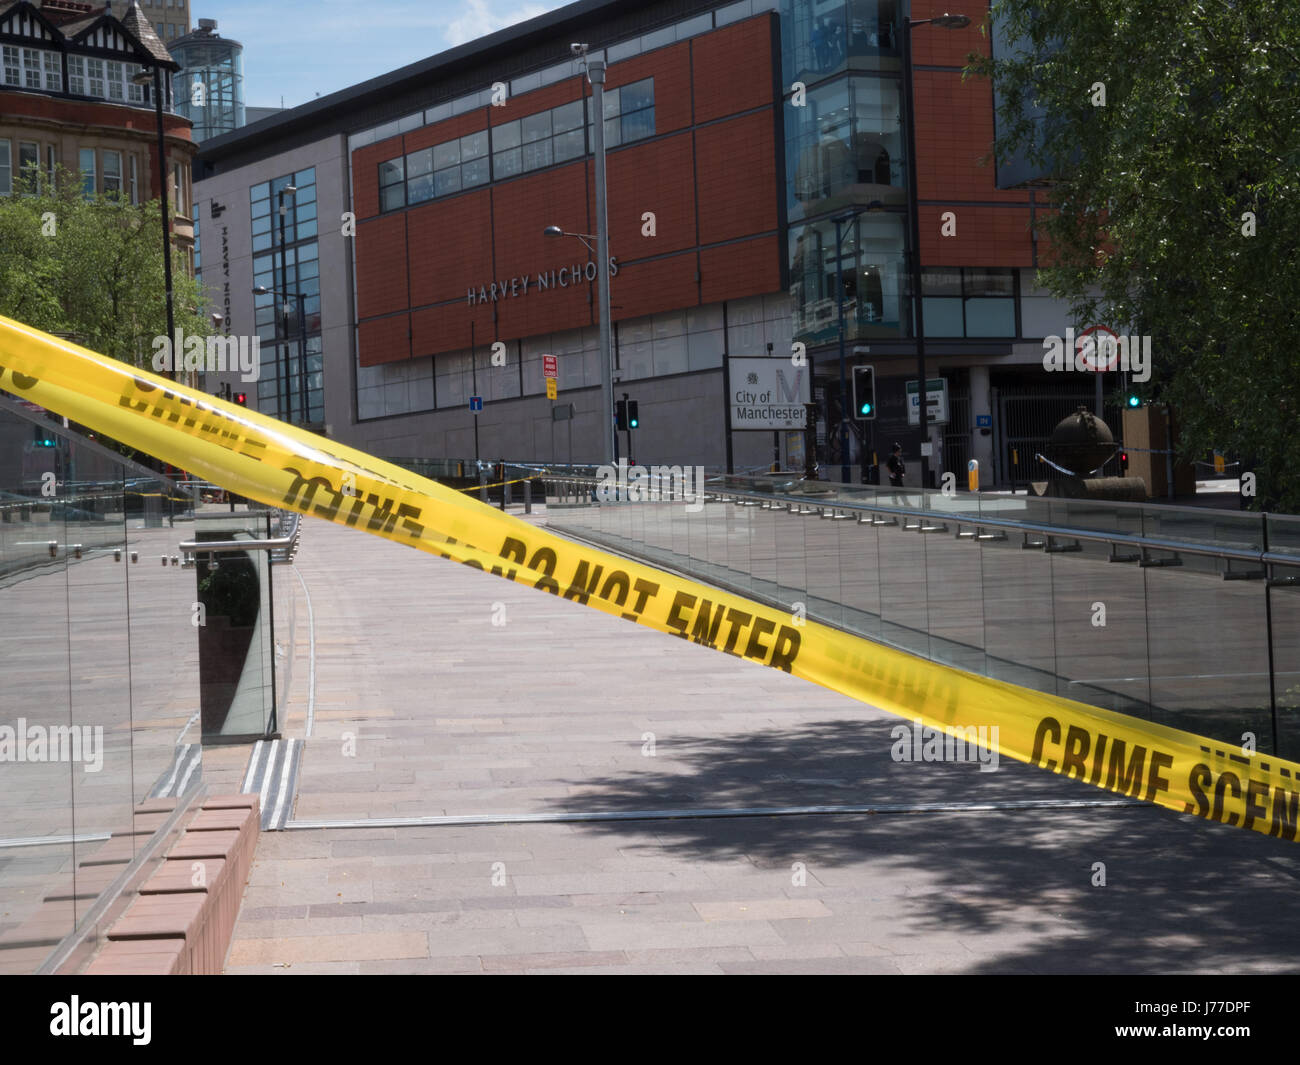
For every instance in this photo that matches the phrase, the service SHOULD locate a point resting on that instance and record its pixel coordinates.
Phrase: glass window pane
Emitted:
(507, 164)
(446, 154)
(419, 163)
(447, 181)
(391, 197)
(567, 117)
(474, 146)
(613, 132)
(990, 282)
(989, 318)
(535, 127)
(639, 125)
(537, 154)
(570, 146)
(420, 189)
(391, 172)
(505, 136)
(638, 95)
(260, 192)
(475, 173)
(943, 316)
(610, 106)
(941, 282)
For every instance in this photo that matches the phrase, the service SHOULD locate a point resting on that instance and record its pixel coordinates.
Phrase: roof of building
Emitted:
(139, 26)
(69, 18)
(508, 53)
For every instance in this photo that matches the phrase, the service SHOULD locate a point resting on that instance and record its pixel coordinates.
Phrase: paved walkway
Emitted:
(424, 707)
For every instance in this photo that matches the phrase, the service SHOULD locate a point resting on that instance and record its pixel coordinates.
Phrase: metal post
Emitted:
(596, 74)
(284, 408)
(473, 385)
(844, 395)
(302, 356)
(913, 200)
(166, 214)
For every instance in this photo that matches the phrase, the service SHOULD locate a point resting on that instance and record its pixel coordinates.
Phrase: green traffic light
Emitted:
(1134, 401)
(866, 408)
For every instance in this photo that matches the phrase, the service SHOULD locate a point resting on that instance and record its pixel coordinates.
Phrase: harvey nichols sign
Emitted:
(518, 286)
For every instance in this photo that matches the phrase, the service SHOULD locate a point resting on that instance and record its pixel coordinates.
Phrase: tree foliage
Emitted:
(1196, 147)
(91, 269)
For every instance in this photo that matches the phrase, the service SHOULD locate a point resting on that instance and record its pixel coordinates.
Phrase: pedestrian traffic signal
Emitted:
(633, 420)
(620, 414)
(864, 392)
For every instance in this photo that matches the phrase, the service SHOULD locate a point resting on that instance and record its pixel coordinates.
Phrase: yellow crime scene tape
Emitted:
(283, 466)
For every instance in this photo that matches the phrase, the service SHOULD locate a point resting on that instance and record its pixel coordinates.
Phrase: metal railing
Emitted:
(1026, 589)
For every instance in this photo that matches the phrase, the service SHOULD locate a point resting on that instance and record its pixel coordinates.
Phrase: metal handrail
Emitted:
(199, 547)
(1260, 556)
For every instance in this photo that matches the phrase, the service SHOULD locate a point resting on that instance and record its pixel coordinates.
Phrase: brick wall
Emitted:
(495, 233)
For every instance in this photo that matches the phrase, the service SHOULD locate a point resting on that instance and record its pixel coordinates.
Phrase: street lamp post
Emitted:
(840, 221)
(301, 298)
(142, 78)
(284, 292)
(947, 22)
(606, 346)
(596, 75)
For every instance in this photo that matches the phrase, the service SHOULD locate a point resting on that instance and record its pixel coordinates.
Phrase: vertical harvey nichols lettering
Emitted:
(519, 286)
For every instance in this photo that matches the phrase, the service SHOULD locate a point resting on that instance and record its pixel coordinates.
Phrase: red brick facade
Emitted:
(954, 140)
(709, 177)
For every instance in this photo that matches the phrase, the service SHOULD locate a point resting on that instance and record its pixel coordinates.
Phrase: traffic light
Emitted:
(1123, 461)
(620, 414)
(864, 393)
(241, 398)
(633, 420)
(1133, 400)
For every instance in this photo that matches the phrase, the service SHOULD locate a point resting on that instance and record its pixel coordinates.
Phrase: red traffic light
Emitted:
(241, 398)
(1123, 460)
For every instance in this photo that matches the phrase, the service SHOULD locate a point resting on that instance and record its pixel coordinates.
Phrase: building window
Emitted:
(86, 164)
(634, 106)
(6, 169)
(29, 165)
(540, 140)
(297, 272)
(53, 72)
(13, 72)
(116, 81)
(392, 184)
(969, 302)
(134, 92)
(32, 68)
(77, 75)
(133, 167)
(51, 164)
(112, 173)
(95, 77)
(178, 178)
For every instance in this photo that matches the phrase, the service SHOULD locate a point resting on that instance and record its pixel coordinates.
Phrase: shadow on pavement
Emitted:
(1180, 894)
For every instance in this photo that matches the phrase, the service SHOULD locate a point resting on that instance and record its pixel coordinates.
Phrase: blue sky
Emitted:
(327, 45)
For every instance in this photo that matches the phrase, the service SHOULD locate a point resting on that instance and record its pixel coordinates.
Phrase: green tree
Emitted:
(1178, 200)
(91, 268)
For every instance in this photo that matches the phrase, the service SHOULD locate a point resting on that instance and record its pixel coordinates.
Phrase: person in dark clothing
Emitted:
(896, 467)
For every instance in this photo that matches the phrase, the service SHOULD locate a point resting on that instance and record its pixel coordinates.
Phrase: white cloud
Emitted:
(478, 20)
